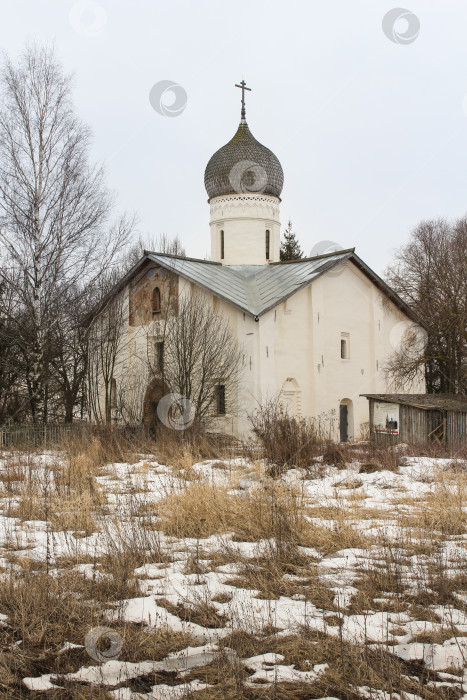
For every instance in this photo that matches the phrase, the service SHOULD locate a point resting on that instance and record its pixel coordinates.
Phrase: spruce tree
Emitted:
(290, 247)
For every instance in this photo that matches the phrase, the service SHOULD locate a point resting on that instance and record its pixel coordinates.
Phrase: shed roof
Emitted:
(426, 402)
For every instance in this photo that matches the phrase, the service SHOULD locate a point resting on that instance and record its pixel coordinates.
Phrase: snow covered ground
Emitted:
(354, 568)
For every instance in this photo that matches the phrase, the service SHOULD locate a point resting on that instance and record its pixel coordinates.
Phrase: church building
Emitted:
(316, 331)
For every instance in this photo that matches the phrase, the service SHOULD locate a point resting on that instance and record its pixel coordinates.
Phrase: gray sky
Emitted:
(371, 133)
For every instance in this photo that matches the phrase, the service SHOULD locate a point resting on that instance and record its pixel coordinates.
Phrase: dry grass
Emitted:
(47, 609)
(272, 510)
(198, 510)
(181, 450)
(64, 491)
(349, 667)
(45, 612)
(75, 513)
(199, 612)
(442, 510)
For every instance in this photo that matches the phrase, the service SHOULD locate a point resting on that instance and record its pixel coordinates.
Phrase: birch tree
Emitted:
(54, 206)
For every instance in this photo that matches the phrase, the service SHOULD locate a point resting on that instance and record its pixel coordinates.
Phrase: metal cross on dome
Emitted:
(243, 88)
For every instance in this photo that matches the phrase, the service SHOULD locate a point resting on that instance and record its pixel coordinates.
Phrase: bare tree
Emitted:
(69, 351)
(166, 244)
(106, 334)
(130, 393)
(160, 244)
(430, 275)
(10, 400)
(54, 206)
(200, 353)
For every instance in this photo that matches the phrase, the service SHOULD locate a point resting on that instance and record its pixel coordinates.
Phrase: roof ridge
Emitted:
(314, 257)
(181, 257)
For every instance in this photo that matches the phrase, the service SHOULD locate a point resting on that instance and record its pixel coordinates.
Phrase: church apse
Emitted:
(152, 295)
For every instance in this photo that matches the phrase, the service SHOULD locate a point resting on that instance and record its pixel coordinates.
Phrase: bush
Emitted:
(288, 441)
(334, 455)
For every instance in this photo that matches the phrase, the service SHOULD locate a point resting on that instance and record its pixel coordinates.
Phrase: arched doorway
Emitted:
(154, 393)
(346, 427)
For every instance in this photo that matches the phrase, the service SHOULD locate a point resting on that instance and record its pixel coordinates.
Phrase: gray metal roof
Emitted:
(243, 165)
(253, 288)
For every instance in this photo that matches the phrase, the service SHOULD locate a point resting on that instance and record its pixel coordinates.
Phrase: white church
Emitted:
(317, 331)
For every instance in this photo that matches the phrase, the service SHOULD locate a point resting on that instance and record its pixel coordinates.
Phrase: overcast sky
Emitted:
(371, 132)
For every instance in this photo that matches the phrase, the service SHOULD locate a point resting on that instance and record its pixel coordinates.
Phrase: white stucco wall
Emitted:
(244, 219)
(295, 349)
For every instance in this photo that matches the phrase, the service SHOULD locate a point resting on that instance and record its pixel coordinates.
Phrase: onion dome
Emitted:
(243, 165)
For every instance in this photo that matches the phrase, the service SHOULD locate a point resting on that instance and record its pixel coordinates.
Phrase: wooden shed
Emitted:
(418, 418)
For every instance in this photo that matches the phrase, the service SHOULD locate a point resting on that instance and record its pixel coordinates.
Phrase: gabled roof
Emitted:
(252, 288)
(256, 289)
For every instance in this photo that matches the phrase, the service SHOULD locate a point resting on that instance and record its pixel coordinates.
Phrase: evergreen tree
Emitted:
(290, 247)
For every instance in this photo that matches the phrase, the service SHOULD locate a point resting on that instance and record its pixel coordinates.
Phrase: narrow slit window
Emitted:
(345, 347)
(156, 354)
(220, 396)
(222, 245)
(159, 356)
(267, 244)
(156, 301)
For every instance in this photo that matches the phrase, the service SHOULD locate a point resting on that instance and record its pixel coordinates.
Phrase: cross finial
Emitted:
(243, 88)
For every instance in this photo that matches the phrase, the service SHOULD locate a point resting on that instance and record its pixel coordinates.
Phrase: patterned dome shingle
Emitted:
(243, 165)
